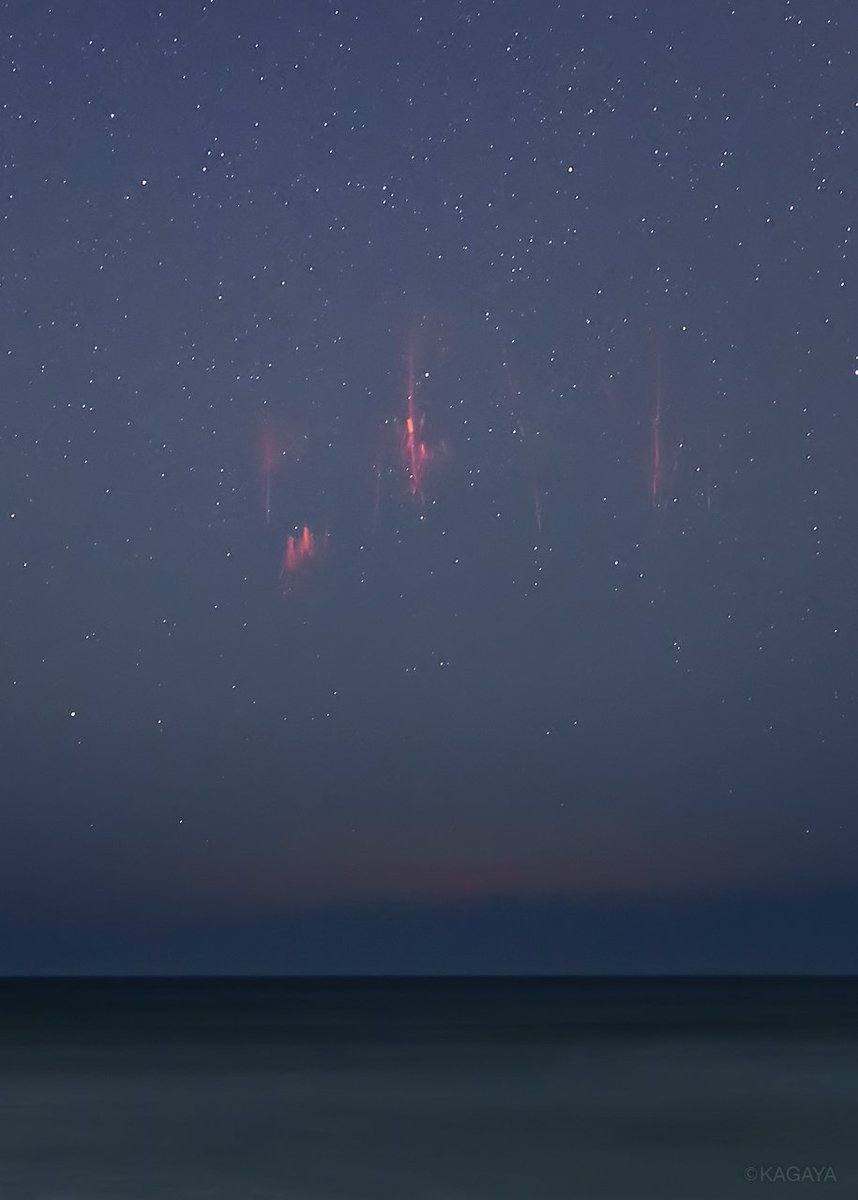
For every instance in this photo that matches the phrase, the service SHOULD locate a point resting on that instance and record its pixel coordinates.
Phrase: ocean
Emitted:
(428, 1089)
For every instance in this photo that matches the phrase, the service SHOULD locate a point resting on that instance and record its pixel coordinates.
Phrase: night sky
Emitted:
(429, 492)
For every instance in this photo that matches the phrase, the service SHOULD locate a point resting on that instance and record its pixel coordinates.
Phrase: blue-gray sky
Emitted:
(539, 319)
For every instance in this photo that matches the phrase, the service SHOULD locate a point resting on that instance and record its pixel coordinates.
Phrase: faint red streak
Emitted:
(415, 452)
(271, 453)
(376, 508)
(537, 509)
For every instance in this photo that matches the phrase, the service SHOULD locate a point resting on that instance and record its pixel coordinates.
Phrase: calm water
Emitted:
(413, 1089)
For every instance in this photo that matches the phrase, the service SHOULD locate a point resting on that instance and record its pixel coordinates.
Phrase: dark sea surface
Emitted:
(427, 1089)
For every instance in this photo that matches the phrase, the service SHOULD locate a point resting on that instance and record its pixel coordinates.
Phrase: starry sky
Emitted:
(429, 509)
